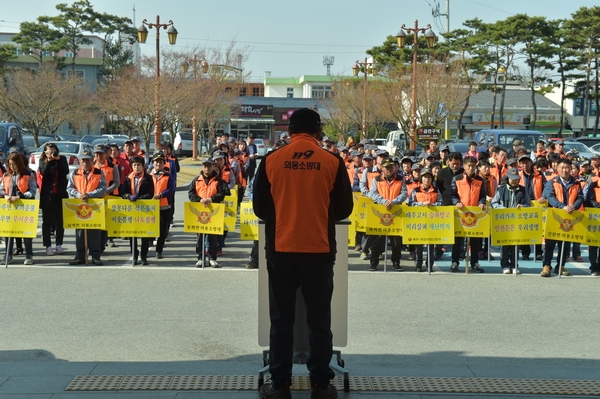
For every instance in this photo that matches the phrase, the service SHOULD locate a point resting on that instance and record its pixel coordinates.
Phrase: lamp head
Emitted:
(142, 34)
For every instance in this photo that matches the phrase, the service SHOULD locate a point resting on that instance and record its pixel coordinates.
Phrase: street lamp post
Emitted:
(401, 39)
(366, 67)
(204, 69)
(142, 36)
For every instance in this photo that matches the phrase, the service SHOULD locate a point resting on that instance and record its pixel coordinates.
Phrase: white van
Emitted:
(395, 142)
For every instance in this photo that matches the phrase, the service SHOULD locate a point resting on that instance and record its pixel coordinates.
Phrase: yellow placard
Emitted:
(564, 226)
(428, 224)
(78, 214)
(517, 226)
(471, 221)
(381, 221)
(230, 203)
(351, 231)
(248, 222)
(198, 218)
(19, 219)
(593, 226)
(140, 218)
(360, 212)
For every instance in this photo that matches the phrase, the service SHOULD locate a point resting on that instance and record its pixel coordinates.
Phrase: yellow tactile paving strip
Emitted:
(357, 383)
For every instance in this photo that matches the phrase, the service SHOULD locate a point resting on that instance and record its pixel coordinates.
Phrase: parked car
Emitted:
(70, 149)
(183, 144)
(461, 146)
(581, 150)
(381, 144)
(589, 141)
(66, 137)
(29, 144)
(261, 147)
(505, 137)
(89, 138)
(11, 135)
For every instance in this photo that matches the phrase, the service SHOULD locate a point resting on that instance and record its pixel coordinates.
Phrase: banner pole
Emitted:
(203, 249)
(467, 255)
(429, 259)
(560, 259)
(85, 246)
(384, 253)
(9, 244)
(516, 260)
(133, 242)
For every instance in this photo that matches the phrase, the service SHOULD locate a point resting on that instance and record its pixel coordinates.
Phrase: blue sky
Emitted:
(290, 38)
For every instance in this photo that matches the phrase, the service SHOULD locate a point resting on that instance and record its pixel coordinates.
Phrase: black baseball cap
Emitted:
(305, 117)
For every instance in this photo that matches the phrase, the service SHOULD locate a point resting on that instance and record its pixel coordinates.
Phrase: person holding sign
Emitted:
(510, 195)
(138, 185)
(562, 192)
(425, 194)
(593, 201)
(300, 192)
(18, 182)
(388, 189)
(208, 188)
(87, 182)
(164, 186)
(467, 189)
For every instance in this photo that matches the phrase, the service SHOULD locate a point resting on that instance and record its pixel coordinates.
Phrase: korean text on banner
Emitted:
(248, 222)
(564, 226)
(517, 226)
(360, 212)
(133, 219)
(203, 219)
(383, 222)
(78, 214)
(230, 203)
(428, 224)
(593, 226)
(19, 219)
(471, 221)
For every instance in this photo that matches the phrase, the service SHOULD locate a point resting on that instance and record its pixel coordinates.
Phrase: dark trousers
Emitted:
(526, 250)
(52, 215)
(212, 245)
(165, 220)
(379, 246)
(28, 246)
(593, 255)
(549, 252)
(93, 240)
(508, 256)
(459, 243)
(315, 280)
(145, 246)
(419, 255)
(254, 252)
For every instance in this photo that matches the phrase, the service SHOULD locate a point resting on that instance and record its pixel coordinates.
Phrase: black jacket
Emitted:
(47, 170)
(145, 191)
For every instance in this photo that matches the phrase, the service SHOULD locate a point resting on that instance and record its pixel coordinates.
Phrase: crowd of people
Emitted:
(496, 178)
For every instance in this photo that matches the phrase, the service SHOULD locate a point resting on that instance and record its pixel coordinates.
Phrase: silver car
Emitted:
(261, 147)
(70, 149)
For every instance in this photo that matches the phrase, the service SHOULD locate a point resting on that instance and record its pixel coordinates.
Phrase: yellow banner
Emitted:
(133, 219)
(471, 221)
(382, 222)
(517, 226)
(360, 211)
(428, 224)
(248, 222)
(19, 219)
(198, 218)
(593, 226)
(230, 202)
(564, 226)
(78, 214)
(351, 231)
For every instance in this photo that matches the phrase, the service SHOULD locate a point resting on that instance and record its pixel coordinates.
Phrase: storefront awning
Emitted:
(252, 120)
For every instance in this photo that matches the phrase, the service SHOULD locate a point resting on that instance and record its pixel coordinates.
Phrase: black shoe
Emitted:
(527, 257)
(539, 257)
(454, 267)
(76, 262)
(144, 262)
(373, 267)
(267, 391)
(159, 255)
(318, 392)
(396, 266)
(477, 268)
(438, 254)
(97, 261)
(419, 269)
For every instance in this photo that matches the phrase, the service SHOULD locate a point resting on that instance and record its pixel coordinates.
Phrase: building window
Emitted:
(46, 53)
(322, 92)
(69, 54)
(242, 92)
(228, 90)
(79, 76)
(18, 51)
(290, 92)
(255, 92)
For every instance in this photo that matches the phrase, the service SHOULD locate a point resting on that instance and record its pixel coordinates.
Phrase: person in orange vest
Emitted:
(425, 194)
(113, 182)
(138, 185)
(355, 167)
(540, 150)
(18, 183)
(87, 182)
(593, 201)
(562, 192)
(559, 146)
(595, 166)
(208, 188)
(388, 189)
(117, 160)
(534, 182)
(500, 167)
(164, 186)
(127, 153)
(467, 189)
(576, 246)
(137, 147)
(491, 185)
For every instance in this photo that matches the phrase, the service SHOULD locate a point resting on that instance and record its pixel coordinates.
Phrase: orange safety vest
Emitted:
(242, 162)
(491, 184)
(206, 190)
(542, 153)
(411, 186)
(109, 172)
(389, 190)
(370, 176)
(422, 196)
(468, 193)
(161, 183)
(538, 186)
(22, 183)
(86, 185)
(226, 174)
(573, 191)
(132, 182)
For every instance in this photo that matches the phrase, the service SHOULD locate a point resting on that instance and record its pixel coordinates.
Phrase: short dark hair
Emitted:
(305, 120)
(455, 156)
(541, 162)
(467, 160)
(472, 143)
(565, 161)
(553, 157)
